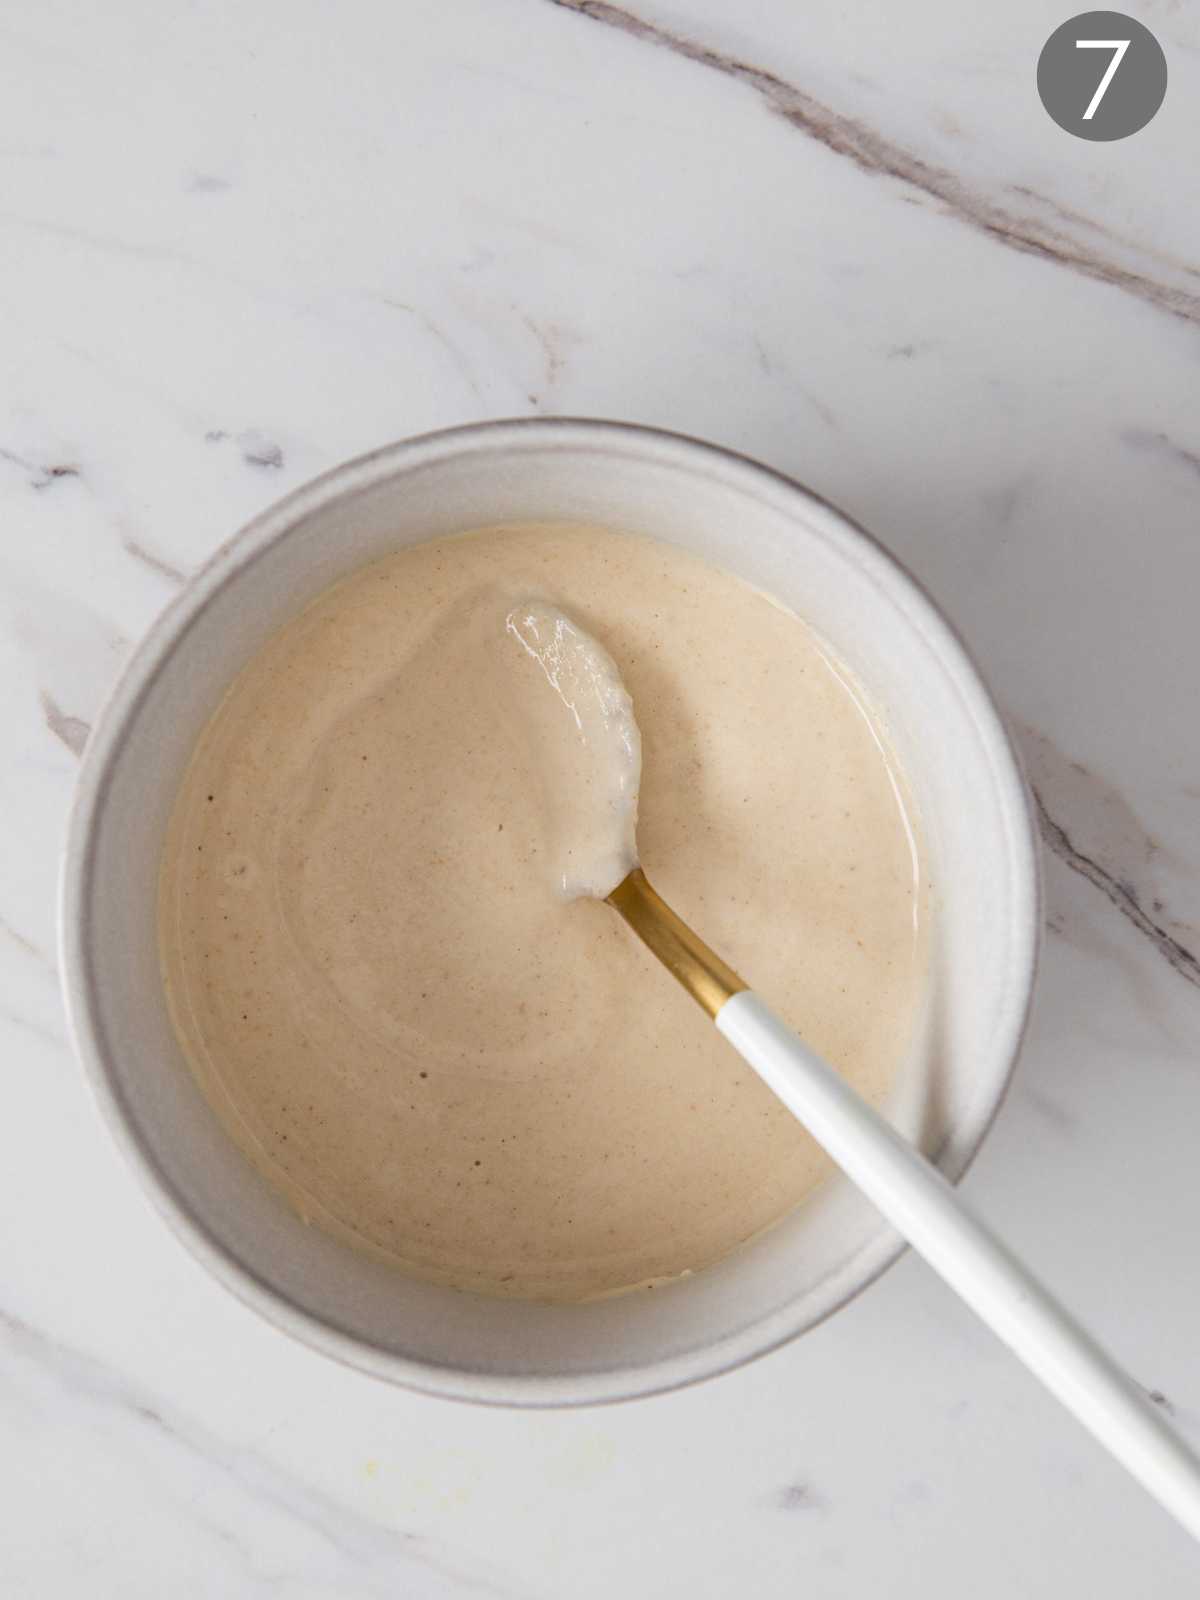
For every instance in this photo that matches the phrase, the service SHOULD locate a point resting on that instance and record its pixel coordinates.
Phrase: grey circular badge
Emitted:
(1102, 75)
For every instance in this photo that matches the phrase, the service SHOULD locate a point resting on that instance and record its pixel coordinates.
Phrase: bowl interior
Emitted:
(966, 786)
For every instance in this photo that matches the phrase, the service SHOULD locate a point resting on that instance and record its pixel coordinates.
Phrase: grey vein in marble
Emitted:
(1047, 1109)
(205, 183)
(882, 157)
(258, 450)
(459, 361)
(39, 1030)
(70, 731)
(1120, 894)
(382, 1558)
(1089, 825)
(769, 365)
(1000, 504)
(49, 969)
(796, 1497)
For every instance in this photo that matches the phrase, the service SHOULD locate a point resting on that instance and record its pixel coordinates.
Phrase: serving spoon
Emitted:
(595, 771)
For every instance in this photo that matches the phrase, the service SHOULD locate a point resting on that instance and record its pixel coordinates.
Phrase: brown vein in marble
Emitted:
(52, 473)
(1078, 219)
(1162, 444)
(42, 477)
(1120, 894)
(873, 153)
(154, 563)
(19, 939)
(548, 339)
(68, 730)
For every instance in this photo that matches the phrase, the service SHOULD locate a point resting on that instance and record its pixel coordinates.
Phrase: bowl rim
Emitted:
(106, 743)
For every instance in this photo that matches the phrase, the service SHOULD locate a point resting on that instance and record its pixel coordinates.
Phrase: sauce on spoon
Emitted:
(590, 750)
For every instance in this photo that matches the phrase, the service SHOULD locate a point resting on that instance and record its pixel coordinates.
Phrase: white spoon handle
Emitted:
(918, 1201)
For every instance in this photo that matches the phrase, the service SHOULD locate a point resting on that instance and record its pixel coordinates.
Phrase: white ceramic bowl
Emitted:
(743, 517)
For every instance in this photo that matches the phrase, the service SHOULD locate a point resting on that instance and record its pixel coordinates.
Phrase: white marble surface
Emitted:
(238, 244)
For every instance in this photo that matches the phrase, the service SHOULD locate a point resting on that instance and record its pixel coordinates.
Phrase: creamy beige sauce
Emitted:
(378, 982)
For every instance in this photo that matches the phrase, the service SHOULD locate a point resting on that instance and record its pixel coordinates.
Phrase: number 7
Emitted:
(1118, 47)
